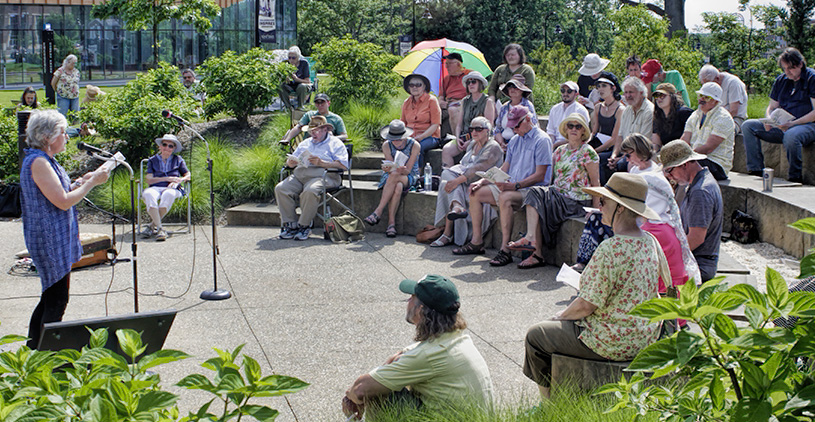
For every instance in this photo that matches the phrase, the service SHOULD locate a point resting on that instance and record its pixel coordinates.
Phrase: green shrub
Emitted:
(364, 121)
(258, 172)
(556, 66)
(8, 148)
(274, 130)
(359, 71)
(239, 83)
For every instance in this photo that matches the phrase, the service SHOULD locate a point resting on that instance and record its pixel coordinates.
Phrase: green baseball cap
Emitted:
(435, 291)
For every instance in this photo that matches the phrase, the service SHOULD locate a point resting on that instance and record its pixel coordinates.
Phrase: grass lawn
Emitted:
(8, 97)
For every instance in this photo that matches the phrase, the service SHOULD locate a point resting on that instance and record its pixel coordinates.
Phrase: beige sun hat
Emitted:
(477, 76)
(678, 152)
(578, 118)
(170, 137)
(628, 190)
(318, 121)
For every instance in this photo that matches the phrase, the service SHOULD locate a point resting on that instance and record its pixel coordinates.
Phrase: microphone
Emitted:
(90, 149)
(167, 114)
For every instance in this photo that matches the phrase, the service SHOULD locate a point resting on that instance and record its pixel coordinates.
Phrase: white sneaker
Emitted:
(148, 232)
(161, 236)
(302, 234)
(287, 232)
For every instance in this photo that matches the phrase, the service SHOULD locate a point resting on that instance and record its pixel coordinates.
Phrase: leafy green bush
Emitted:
(96, 384)
(359, 71)
(239, 83)
(8, 147)
(133, 113)
(364, 121)
(556, 66)
(258, 171)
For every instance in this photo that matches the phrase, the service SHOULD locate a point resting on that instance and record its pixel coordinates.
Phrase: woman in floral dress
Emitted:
(66, 84)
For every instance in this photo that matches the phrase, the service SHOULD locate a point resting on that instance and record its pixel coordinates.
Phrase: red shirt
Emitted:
(452, 88)
(419, 115)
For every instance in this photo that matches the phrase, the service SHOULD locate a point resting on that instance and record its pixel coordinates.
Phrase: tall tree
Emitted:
(799, 29)
(143, 14)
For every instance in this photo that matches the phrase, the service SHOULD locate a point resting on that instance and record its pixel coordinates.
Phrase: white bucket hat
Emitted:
(712, 90)
(173, 138)
(592, 64)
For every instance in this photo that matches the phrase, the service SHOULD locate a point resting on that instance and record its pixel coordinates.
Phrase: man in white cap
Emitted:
(324, 151)
(701, 208)
(592, 70)
(568, 105)
(734, 92)
(710, 130)
(441, 369)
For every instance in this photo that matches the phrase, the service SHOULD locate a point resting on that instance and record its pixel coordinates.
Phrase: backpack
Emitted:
(344, 228)
(744, 228)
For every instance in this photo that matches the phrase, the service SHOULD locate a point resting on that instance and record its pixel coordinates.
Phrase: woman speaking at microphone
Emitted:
(50, 224)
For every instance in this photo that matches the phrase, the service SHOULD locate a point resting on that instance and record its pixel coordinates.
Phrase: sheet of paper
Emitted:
(400, 159)
(603, 137)
(110, 165)
(569, 277)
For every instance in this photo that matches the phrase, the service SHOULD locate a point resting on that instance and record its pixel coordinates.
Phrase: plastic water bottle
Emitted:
(428, 178)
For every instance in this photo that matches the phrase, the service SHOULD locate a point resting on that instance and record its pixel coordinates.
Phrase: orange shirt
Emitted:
(453, 88)
(419, 115)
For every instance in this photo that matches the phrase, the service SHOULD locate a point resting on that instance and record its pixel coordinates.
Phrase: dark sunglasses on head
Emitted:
(566, 91)
(478, 129)
(574, 126)
(416, 85)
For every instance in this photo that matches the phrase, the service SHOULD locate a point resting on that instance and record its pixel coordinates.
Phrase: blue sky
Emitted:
(695, 8)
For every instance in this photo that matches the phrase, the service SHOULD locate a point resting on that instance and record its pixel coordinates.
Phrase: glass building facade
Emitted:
(107, 51)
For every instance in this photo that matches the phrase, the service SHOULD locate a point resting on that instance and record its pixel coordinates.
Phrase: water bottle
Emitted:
(428, 178)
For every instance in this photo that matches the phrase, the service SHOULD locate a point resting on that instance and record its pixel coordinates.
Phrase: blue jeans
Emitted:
(793, 139)
(65, 104)
(427, 144)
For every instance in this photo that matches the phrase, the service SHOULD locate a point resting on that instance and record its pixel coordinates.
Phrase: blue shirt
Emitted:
(174, 166)
(795, 96)
(526, 152)
(330, 149)
(51, 234)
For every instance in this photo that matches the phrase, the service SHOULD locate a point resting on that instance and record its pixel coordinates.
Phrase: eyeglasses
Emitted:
(167, 145)
(574, 126)
(319, 102)
(292, 57)
(658, 95)
(671, 169)
(478, 129)
(472, 81)
(416, 85)
(566, 91)
(705, 97)
(520, 122)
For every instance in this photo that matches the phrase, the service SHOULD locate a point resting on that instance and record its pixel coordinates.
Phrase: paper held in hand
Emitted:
(302, 160)
(569, 277)
(399, 160)
(109, 165)
(494, 175)
(778, 117)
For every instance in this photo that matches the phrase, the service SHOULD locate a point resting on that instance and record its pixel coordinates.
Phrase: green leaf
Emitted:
(717, 393)
(252, 370)
(161, 357)
(752, 410)
(657, 309)
(726, 301)
(261, 413)
(807, 266)
(705, 310)
(724, 327)
(197, 382)
(659, 355)
(99, 337)
(749, 293)
(777, 290)
(154, 400)
(802, 399)
(754, 316)
(130, 342)
(278, 385)
(687, 346)
(754, 377)
(803, 304)
(41, 414)
(11, 338)
(770, 367)
(688, 295)
(806, 225)
(102, 410)
(230, 382)
(751, 340)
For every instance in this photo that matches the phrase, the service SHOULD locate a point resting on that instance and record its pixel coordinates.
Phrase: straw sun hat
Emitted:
(628, 190)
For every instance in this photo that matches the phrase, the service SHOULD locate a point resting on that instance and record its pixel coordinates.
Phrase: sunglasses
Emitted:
(574, 126)
(478, 129)
(658, 95)
(670, 170)
(472, 81)
(519, 124)
(705, 97)
(416, 85)
(319, 102)
(566, 91)
(292, 57)
(168, 145)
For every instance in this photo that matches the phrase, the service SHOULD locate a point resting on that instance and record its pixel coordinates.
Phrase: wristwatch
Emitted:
(517, 186)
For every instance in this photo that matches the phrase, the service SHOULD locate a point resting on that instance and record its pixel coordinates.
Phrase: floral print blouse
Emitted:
(622, 274)
(68, 83)
(570, 174)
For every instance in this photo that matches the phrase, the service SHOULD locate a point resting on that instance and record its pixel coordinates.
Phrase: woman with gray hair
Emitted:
(482, 154)
(66, 85)
(50, 225)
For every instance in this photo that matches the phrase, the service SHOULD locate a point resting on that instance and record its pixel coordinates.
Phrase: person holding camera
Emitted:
(475, 104)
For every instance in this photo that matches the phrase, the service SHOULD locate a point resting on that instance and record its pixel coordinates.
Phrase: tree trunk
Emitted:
(675, 9)
(155, 45)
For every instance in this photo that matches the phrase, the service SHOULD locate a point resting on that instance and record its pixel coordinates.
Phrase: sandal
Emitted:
(522, 244)
(469, 249)
(455, 215)
(534, 261)
(503, 258)
(391, 231)
(443, 240)
(372, 219)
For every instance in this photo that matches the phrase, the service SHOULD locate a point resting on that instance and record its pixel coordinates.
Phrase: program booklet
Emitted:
(494, 175)
(399, 160)
(302, 159)
(569, 277)
(778, 117)
(108, 166)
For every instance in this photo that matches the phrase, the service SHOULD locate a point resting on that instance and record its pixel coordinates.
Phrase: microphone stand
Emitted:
(213, 294)
(133, 246)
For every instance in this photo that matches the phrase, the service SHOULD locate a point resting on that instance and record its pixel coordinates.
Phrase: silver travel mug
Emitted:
(768, 179)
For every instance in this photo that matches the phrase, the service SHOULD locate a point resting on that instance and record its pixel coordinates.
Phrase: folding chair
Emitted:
(185, 227)
(330, 194)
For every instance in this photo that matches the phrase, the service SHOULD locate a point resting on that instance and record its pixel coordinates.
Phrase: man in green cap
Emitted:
(443, 367)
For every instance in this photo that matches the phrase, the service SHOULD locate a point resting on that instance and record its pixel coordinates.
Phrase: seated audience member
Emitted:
(193, 85)
(166, 174)
(605, 122)
(667, 229)
(638, 117)
(298, 82)
(29, 98)
(395, 179)
(514, 67)
(92, 93)
(653, 74)
(475, 104)
(566, 107)
(709, 131)
(421, 112)
(305, 184)
(622, 274)
(734, 92)
(452, 89)
(322, 102)
(547, 207)
(670, 115)
(441, 369)
(633, 66)
(701, 208)
(528, 163)
(592, 70)
(483, 153)
(518, 95)
(794, 92)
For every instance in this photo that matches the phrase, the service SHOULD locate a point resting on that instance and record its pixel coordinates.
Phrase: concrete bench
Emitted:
(775, 157)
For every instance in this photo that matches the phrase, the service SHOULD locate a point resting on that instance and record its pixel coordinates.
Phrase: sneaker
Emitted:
(148, 232)
(287, 232)
(161, 235)
(302, 233)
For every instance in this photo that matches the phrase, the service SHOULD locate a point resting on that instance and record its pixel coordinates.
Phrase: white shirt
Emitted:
(558, 113)
(734, 91)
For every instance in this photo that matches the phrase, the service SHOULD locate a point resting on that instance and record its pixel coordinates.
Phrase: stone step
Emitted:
(372, 160)
(775, 157)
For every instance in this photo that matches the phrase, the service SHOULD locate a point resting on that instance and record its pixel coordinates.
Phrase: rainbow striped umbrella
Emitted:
(426, 58)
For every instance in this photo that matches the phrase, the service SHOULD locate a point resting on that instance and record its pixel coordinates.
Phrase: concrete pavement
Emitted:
(321, 312)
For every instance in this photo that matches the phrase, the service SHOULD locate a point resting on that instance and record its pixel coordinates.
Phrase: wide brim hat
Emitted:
(678, 152)
(416, 75)
(712, 90)
(517, 84)
(395, 130)
(575, 117)
(475, 75)
(629, 190)
(318, 121)
(434, 291)
(170, 137)
(593, 64)
(91, 92)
